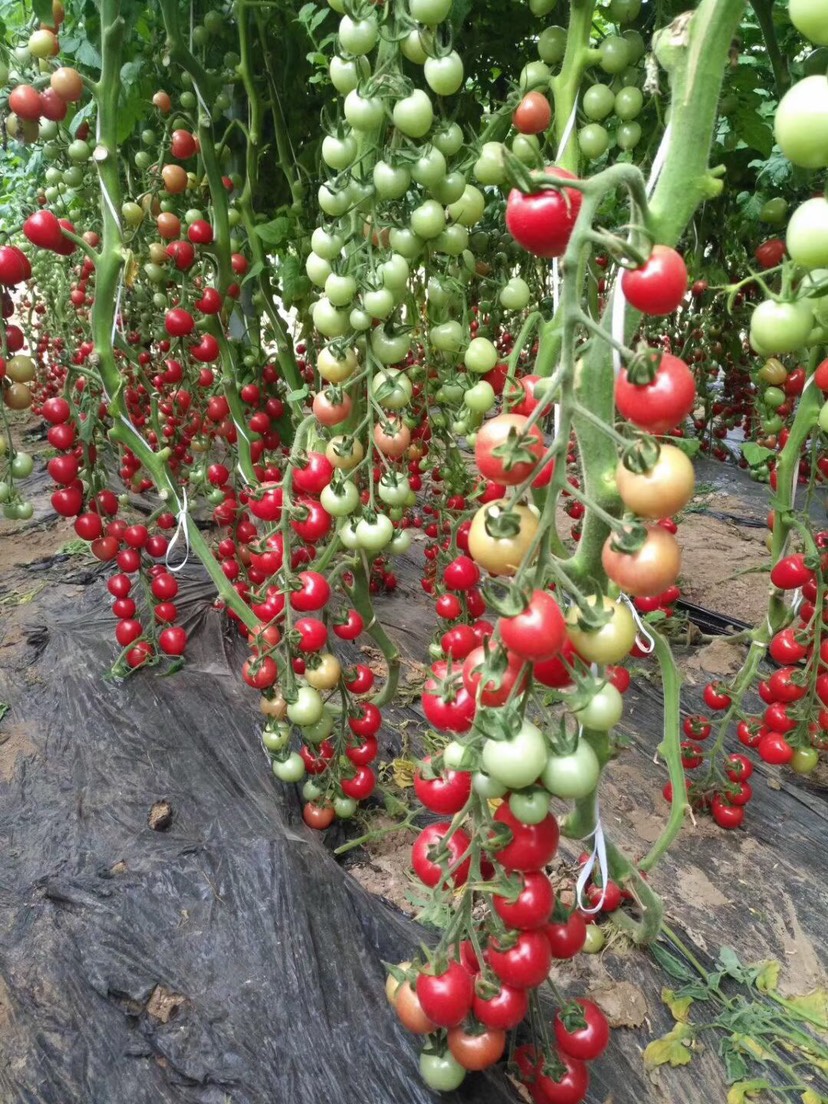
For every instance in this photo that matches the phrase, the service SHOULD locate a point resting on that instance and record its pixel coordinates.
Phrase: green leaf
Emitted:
(679, 1006)
(298, 395)
(688, 445)
(735, 1065)
(753, 130)
(277, 231)
(670, 964)
(756, 455)
(743, 1091)
(88, 55)
(255, 270)
(43, 10)
(672, 1049)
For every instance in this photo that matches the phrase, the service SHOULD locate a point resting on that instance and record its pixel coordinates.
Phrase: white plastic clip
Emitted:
(182, 527)
(597, 858)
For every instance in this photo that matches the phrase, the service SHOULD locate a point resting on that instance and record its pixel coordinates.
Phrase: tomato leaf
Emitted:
(43, 10)
(735, 1065)
(276, 232)
(767, 978)
(744, 1091)
(672, 1049)
(756, 455)
(753, 130)
(688, 445)
(670, 964)
(679, 1006)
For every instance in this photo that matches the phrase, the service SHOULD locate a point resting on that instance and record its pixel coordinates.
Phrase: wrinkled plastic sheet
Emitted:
(227, 960)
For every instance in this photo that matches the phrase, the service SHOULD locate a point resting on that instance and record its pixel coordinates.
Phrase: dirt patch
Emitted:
(385, 873)
(15, 744)
(623, 1003)
(724, 564)
(163, 1004)
(720, 658)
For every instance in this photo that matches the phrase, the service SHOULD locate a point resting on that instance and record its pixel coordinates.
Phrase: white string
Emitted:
(599, 858)
(567, 134)
(644, 639)
(182, 527)
(556, 289)
(117, 306)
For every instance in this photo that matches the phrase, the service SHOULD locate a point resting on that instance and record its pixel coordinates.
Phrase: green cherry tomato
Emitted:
(373, 536)
(276, 736)
(413, 115)
(448, 337)
(480, 398)
(552, 45)
(291, 769)
(615, 54)
(485, 786)
(321, 730)
(428, 220)
(430, 12)
(804, 760)
(358, 36)
(469, 208)
(628, 135)
(390, 182)
(598, 102)
(21, 465)
(628, 103)
(593, 141)
(774, 211)
(480, 356)
(595, 939)
(534, 75)
(624, 11)
(516, 762)
(339, 153)
(345, 75)
(529, 806)
(444, 75)
(603, 710)
(810, 17)
(441, 1071)
(489, 168)
(780, 327)
(807, 236)
(363, 113)
(572, 776)
(308, 707)
(448, 139)
(823, 418)
(801, 123)
(340, 500)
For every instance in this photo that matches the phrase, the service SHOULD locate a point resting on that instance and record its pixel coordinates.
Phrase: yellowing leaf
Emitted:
(679, 1006)
(672, 1049)
(812, 1005)
(402, 771)
(748, 1043)
(743, 1091)
(768, 977)
(811, 1097)
(131, 269)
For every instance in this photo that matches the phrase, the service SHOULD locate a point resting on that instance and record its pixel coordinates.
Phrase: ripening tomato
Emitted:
(502, 432)
(476, 1050)
(609, 644)
(538, 633)
(497, 688)
(434, 841)
(662, 491)
(567, 938)
(660, 405)
(445, 793)
(532, 904)
(532, 845)
(501, 536)
(533, 114)
(650, 570)
(410, 1011)
(446, 998)
(542, 222)
(503, 1009)
(659, 285)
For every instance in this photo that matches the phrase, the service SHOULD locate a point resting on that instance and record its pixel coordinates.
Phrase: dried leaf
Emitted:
(749, 1044)
(672, 1049)
(402, 771)
(679, 1006)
